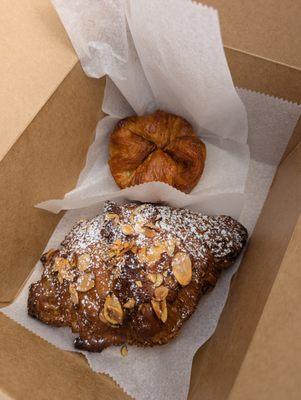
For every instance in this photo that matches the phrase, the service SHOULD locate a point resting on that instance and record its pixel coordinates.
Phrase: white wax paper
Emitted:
(167, 54)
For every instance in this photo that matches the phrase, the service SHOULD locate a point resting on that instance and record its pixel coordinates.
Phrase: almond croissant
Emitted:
(134, 274)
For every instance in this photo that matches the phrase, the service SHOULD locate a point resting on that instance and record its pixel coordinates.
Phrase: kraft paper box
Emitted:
(42, 153)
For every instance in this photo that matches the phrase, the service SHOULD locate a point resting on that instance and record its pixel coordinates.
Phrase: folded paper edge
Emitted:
(55, 204)
(71, 351)
(280, 99)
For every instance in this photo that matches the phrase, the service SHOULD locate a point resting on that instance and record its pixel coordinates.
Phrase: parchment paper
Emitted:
(167, 368)
(169, 55)
(163, 372)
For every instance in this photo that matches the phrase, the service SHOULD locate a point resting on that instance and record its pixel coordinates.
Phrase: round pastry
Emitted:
(158, 147)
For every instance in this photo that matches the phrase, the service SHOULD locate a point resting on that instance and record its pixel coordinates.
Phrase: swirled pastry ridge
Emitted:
(156, 147)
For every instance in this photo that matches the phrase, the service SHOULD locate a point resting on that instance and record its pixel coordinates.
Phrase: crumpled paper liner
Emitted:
(159, 55)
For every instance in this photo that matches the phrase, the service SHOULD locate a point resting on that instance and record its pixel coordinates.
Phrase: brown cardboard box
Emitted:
(49, 110)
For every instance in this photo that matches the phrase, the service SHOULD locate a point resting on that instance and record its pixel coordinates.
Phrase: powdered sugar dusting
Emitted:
(127, 252)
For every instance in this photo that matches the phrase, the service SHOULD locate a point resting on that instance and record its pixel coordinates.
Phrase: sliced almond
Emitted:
(127, 230)
(150, 230)
(170, 247)
(151, 226)
(138, 227)
(121, 252)
(159, 280)
(157, 308)
(153, 254)
(83, 262)
(118, 248)
(134, 249)
(156, 279)
(150, 233)
(73, 294)
(152, 277)
(127, 246)
(130, 303)
(112, 311)
(124, 351)
(165, 273)
(67, 275)
(142, 255)
(164, 311)
(85, 282)
(61, 263)
(102, 318)
(160, 309)
(161, 293)
(181, 268)
(112, 217)
(60, 278)
(138, 283)
(150, 255)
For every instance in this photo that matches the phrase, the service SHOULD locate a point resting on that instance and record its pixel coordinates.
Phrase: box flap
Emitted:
(4, 396)
(44, 163)
(273, 360)
(36, 55)
(33, 369)
(268, 29)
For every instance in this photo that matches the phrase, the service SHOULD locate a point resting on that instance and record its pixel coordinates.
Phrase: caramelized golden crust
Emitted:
(157, 147)
(133, 274)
